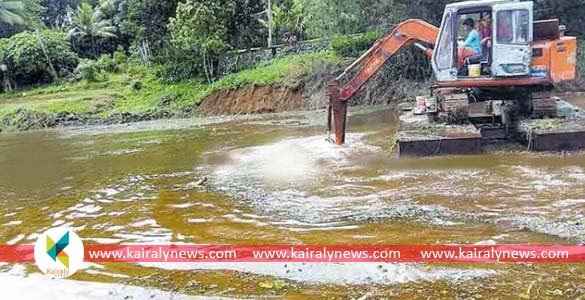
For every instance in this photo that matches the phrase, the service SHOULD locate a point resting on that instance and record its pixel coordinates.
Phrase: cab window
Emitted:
(513, 27)
(445, 49)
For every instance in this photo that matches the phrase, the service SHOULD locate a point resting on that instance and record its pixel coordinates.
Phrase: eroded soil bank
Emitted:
(253, 100)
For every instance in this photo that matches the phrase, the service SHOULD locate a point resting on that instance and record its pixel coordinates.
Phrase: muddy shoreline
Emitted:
(309, 93)
(251, 100)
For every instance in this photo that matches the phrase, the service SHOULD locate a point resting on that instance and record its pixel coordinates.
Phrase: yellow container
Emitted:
(474, 70)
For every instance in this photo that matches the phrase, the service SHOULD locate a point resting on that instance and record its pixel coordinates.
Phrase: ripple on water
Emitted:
(15, 239)
(13, 223)
(38, 286)
(274, 180)
(294, 161)
(338, 273)
(271, 177)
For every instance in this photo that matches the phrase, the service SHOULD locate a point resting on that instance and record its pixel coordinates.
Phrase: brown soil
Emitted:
(309, 93)
(253, 100)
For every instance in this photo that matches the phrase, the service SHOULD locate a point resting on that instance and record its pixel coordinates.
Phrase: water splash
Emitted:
(289, 162)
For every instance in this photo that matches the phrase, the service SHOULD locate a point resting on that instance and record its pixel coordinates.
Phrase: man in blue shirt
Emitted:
(472, 45)
(473, 40)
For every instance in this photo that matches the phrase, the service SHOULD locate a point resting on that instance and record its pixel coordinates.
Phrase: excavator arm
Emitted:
(343, 87)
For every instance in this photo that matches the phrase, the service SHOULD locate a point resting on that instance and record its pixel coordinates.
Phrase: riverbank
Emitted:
(291, 83)
(136, 94)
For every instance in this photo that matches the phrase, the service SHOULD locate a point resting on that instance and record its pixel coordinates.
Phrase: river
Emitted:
(273, 179)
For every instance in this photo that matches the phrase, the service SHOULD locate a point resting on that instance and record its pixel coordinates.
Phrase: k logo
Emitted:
(59, 252)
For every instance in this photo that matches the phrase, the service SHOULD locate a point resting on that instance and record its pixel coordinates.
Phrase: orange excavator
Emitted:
(518, 63)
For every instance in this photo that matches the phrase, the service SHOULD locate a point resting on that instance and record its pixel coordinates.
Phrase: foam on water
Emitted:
(273, 177)
(338, 273)
(288, 162)
(38, 286)
(15, 239)
(309, 181)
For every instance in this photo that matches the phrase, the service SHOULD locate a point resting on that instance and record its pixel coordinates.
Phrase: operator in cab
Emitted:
(471, 46)
(486, 31)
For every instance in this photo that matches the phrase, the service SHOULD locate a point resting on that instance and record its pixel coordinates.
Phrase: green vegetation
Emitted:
(11, 12)
(27, 60)
(139, 92)
(285, 72)
(88, 25)
(203, 25)
(354, 46)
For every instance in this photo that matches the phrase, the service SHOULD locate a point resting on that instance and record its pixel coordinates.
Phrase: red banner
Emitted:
(314, 253)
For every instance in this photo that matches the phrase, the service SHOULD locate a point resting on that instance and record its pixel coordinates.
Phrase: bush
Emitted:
(178, 71)
(26, 61)
(87, 70)
(354, 46)
(107, 64)
(410, 63)
(120, 56)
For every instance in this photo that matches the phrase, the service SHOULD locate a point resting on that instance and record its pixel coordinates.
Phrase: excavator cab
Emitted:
(504, 47)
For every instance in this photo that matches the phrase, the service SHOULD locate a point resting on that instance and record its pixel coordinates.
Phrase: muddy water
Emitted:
(275, 180)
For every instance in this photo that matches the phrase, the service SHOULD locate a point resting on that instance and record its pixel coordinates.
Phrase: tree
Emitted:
(320, 17)
(6, 85)
(18, 15)
(326, 18)
(10, 13)
(55, 13)
(88, 27)
(28, 17)
(26, 58)
(288, 17)
(244, 30)
(148, 20)
(202, 25)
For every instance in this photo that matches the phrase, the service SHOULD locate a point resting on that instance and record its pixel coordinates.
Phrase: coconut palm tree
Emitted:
(11, 12)
(88, 25)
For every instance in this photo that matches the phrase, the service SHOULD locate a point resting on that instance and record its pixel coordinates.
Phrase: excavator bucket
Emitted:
(337, 112)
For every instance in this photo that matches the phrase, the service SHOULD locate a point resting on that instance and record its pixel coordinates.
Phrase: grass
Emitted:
(70, 102)
(285, 71)
(137, 90)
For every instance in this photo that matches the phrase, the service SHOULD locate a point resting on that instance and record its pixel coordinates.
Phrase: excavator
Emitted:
(518, 66)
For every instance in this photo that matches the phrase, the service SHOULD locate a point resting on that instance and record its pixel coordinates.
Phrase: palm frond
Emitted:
(10, 17)
(12, 5)
(87, 21)
(263, 22)
(106, 34)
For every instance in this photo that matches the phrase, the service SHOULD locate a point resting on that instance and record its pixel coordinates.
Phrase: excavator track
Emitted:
(452, 101)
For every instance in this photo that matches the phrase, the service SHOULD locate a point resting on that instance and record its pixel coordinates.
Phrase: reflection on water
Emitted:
(275, 180)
